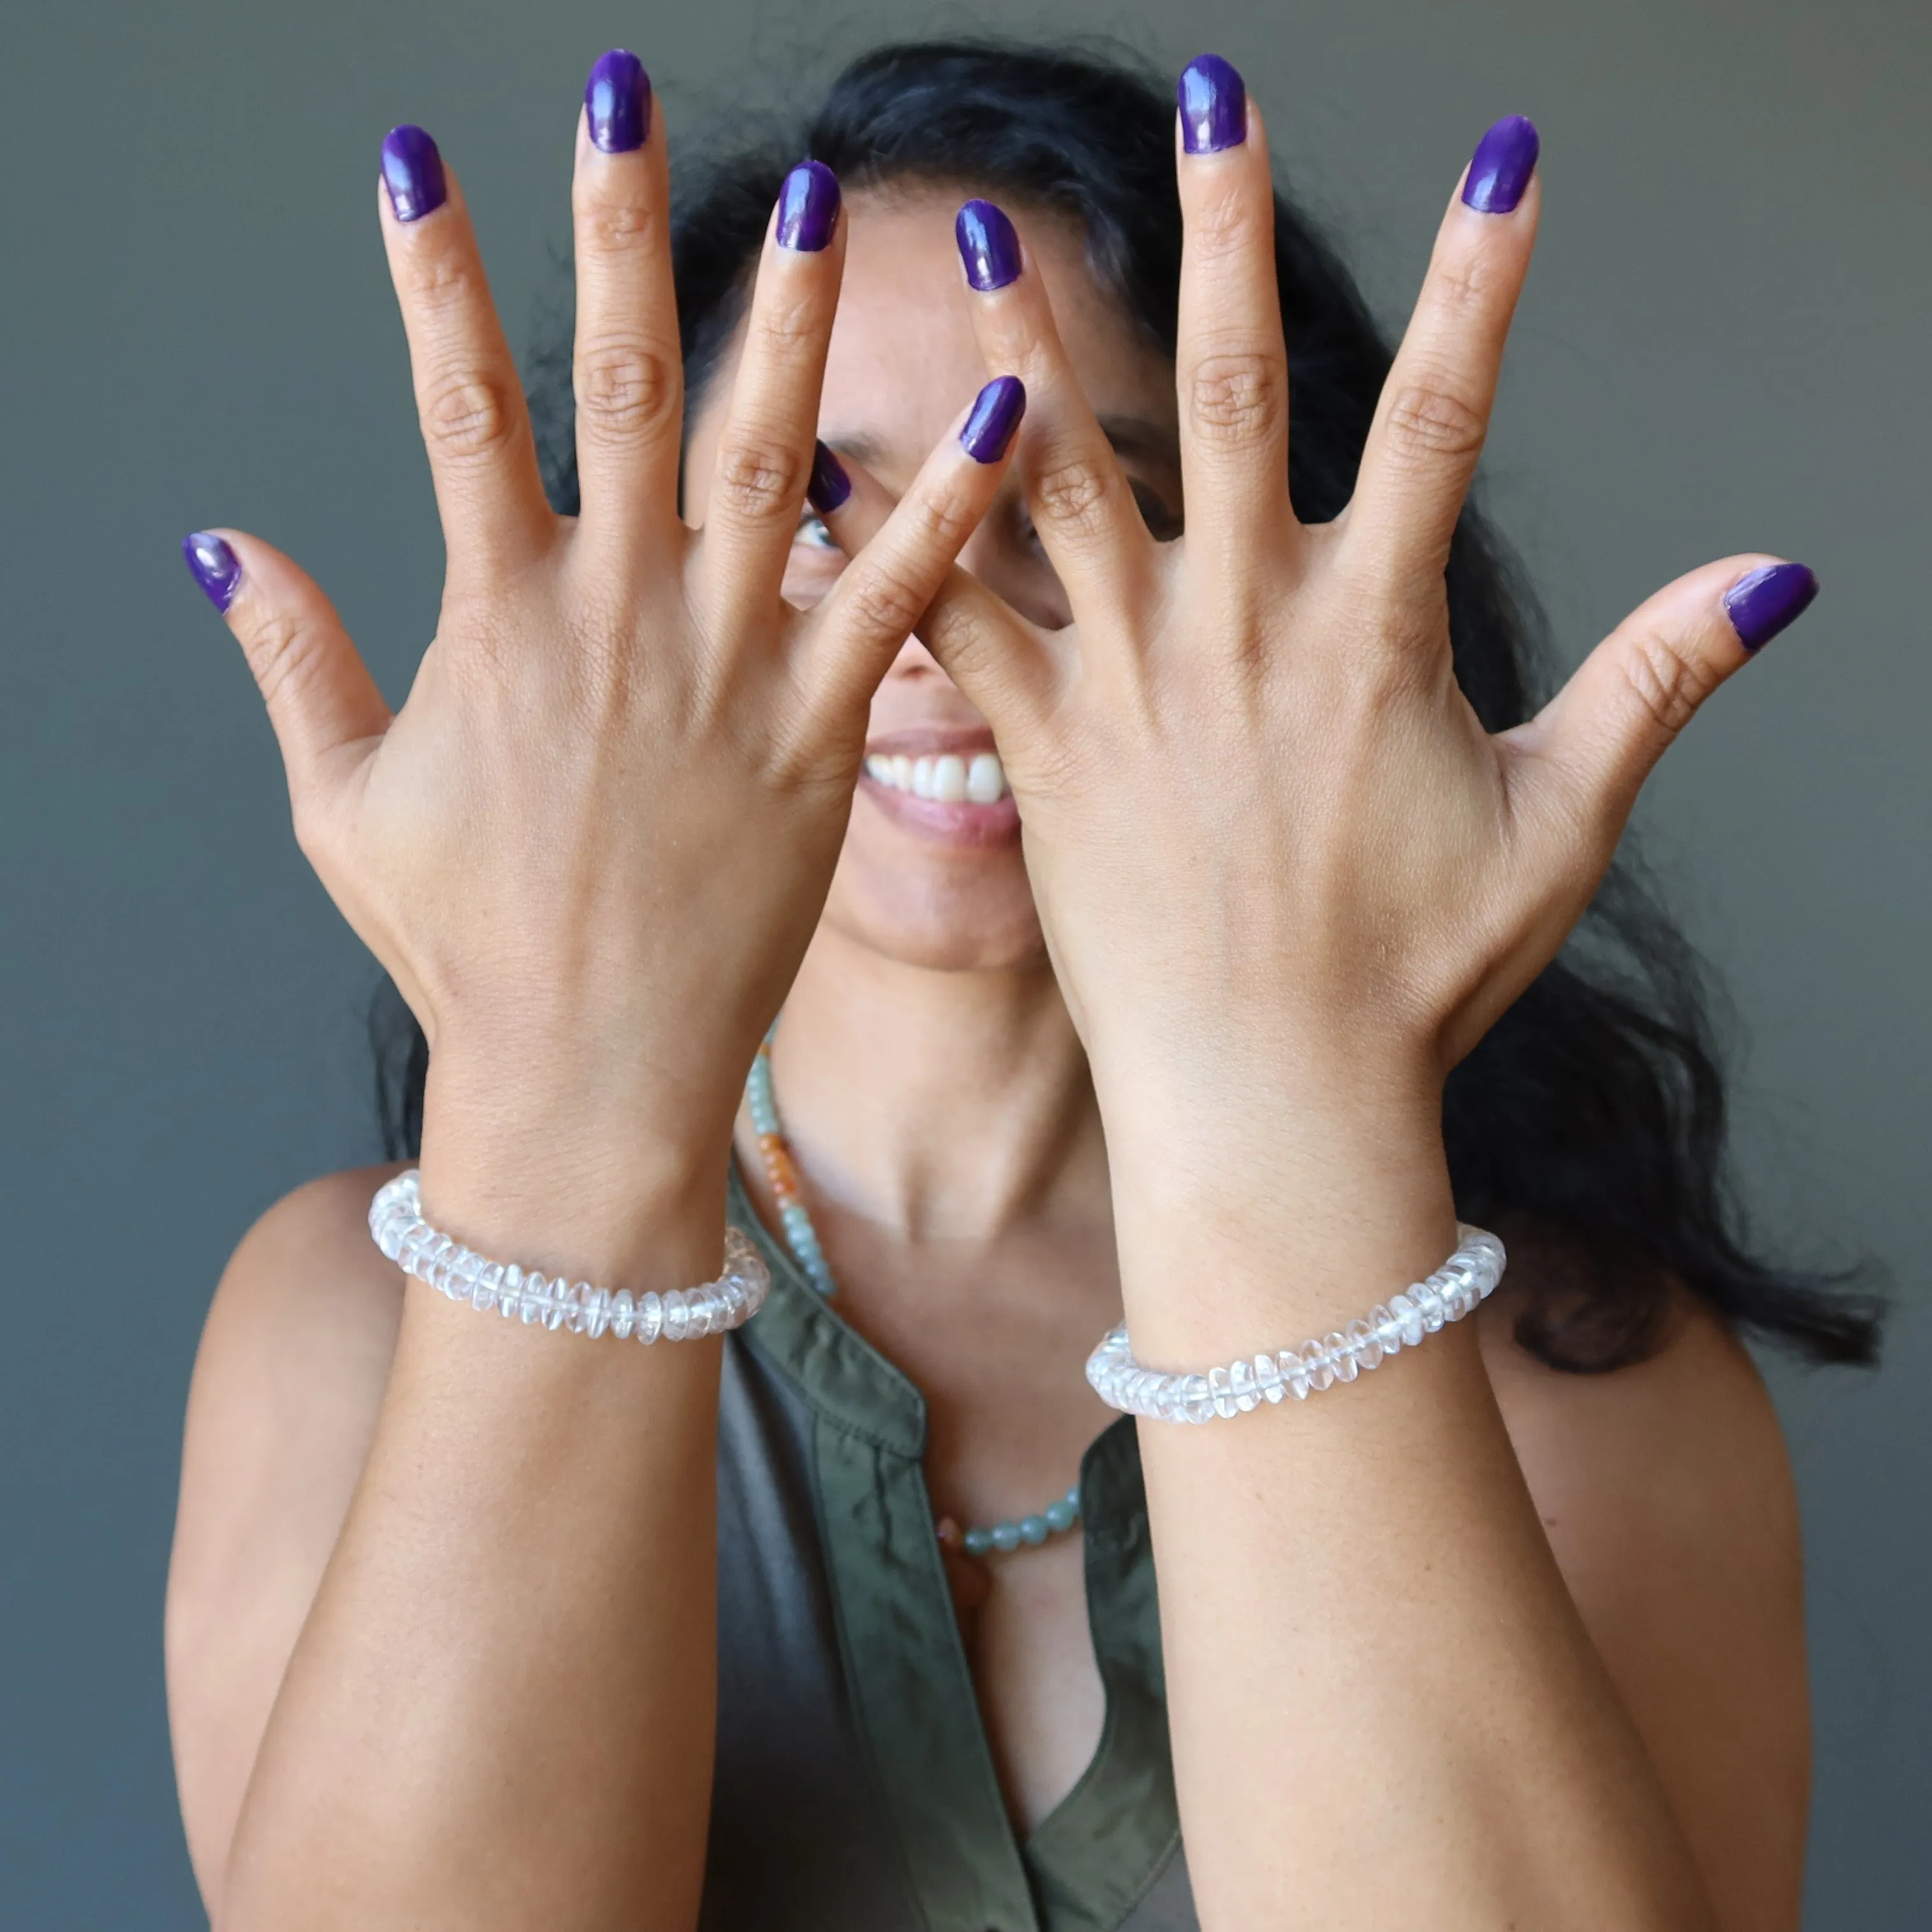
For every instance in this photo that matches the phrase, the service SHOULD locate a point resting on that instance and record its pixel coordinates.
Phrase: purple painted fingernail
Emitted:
(988, 246)
(1764, 601)
(1213, 102)
(996, 414)
(617, 102)
(213, 566)
(829, 485)
(808, 207)
(1500, 170)
(413, 173)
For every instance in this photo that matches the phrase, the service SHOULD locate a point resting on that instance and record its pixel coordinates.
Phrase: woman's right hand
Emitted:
(592, 846)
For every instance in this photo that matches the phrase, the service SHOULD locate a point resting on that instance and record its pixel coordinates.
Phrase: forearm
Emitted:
(500, 1710)
(1385, 1708)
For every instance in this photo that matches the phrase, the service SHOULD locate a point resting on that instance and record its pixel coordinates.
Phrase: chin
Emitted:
(947, 909)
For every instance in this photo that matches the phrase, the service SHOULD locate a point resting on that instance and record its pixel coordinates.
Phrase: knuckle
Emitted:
(469, 414)
(759, 480)
(882, 601)
(1665, 685)
(1428, 421)
(624, 390)
(788, 326)
(1073, 492)
(1239, 398)
(618, 228)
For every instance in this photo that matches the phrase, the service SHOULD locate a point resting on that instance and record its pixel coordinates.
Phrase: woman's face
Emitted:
(939, 881)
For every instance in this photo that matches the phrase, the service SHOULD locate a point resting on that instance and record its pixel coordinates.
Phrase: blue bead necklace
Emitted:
(801, 1238)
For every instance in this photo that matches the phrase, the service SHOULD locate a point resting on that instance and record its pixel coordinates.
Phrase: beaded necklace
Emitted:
(801, 1237)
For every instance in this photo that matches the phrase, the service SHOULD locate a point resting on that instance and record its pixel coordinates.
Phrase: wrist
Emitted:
(596, 1180)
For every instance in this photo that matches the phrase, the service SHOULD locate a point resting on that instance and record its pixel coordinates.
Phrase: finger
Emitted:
(1434, 412)
(1231, 360)
(1003, 663)
(481, 455)
(764, 451)
(1602, 734)
(627, 373)
(325, 710)
(1082, 506)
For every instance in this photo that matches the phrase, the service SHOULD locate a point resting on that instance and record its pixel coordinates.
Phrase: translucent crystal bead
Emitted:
(595, 1302)
(1062, 1514)
(562, 1306)
(484, 1289)
(1386, 1327)
(1197, 1400)
(1268, 1378)
(1367, 1348)
(1410, 1317)
(1321, 1370)
(1430, 1305)
(1241, 1381)
(1341, 1355)
(1033, 1529)
(623, 1313)
(1167, 1400)
(535, 1300)
(1223, 1396)
(706, 1308)
(650, 1317)
(1006, 1536)
(509, 1293)
(1293, 1373)
(677, 1316)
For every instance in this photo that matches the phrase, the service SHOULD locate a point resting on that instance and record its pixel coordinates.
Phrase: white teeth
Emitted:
(947, 778)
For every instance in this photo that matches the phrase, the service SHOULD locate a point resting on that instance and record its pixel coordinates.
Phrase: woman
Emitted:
(1179, 875)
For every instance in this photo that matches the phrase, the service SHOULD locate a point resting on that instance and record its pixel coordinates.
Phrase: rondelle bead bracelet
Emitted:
(1466, 1279)
(684, 1314)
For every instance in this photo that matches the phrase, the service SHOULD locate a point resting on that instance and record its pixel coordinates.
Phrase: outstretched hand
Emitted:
(591, 847)
(1282, 867)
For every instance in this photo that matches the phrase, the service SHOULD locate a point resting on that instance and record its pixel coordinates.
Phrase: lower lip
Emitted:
(947, 822)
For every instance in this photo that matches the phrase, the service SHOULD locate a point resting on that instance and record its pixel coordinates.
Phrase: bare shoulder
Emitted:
(1666, 1494)
(288, 1383)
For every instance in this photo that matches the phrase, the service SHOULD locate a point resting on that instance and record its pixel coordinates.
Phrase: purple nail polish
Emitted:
(617, 102)
(413, 173)
(1213, 102)
(1500, 170)
(988, 246)
(829, 485)
(996, 414)
(808, 207)
(1762, 602)
(213, 566)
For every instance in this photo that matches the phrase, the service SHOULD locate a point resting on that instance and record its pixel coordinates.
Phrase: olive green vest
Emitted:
(855, 1790)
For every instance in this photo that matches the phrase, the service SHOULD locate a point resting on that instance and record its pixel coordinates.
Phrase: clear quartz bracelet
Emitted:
(684, 1314)
(1466, 1279)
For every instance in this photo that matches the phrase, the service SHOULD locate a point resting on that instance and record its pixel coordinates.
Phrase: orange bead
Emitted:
(783, 1175)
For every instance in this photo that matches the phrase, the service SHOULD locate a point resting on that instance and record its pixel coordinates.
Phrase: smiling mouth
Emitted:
(947, 779)
(958, 798)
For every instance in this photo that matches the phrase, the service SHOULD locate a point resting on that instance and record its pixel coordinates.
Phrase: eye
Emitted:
(1163, 524)
(812, 534)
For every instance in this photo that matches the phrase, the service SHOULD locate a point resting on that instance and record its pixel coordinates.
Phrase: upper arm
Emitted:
(1667, 1498)
(290, 1377)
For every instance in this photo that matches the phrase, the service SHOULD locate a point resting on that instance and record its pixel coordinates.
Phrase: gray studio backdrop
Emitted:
(1722, 348)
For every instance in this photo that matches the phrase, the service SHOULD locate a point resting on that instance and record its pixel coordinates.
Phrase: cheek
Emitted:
(810, 573)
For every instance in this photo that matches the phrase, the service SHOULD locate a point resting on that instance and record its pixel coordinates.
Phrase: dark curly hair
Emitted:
(1589, 1125)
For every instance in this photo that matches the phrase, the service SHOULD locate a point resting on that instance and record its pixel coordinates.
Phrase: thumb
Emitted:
(322, 701)
(1603, 734)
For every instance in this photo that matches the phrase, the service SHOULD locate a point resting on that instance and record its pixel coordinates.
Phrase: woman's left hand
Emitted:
(1281, 865)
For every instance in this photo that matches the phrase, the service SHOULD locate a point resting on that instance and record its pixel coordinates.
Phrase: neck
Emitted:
(938, 1106)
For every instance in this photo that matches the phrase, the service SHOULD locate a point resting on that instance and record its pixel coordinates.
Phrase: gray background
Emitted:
(1722, 348)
